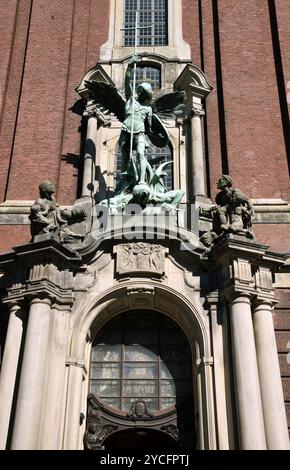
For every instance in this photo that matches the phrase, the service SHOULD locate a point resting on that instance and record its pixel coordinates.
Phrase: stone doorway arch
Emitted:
(125, 297)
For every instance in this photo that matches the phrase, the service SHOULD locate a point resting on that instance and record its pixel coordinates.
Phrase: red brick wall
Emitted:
(46, 50)
(274, 235)
(255, 143)
(12, 235)
(14, 27)
(282, 327)
(56, 45)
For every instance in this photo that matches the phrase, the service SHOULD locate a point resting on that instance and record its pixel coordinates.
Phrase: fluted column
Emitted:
(31, 387)
(197, 160)
(9, 368)
(248, 396)
(270, 378)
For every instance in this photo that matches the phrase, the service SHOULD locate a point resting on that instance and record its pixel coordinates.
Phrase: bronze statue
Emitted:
(142, 120)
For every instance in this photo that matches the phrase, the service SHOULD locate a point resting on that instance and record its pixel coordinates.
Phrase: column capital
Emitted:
(40, 300)
(14, 304)
(195, 111)
(240, 297)
(93, 111)
(204, 361)
(260, 303)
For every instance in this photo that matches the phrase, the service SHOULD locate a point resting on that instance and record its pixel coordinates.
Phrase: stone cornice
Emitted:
(245, 268)
(43, 250)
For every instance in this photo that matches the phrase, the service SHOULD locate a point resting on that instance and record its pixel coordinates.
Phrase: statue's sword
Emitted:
(136, 28)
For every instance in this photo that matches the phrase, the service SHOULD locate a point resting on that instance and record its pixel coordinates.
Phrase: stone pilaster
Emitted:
(30, 394)
(76, 372)
(9, 367)
(217, 326)
(270, 377)
(197, 154)
(96, 119)
(196, 87)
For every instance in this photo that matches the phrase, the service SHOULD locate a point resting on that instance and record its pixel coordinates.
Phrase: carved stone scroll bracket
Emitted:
(96, 429)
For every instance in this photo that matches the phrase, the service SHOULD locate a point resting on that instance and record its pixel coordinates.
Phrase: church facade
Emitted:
(152, 318)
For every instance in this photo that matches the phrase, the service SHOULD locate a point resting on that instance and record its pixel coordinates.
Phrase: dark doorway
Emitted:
(139, 439)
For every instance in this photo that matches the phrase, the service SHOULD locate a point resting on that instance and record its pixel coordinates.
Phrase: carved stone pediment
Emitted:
(103, 421)
(140, 257)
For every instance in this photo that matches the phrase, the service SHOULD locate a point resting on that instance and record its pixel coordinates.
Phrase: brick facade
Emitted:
(46, 48)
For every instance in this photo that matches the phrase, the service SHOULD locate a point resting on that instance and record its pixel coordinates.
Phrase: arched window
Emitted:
(149, 74)
(153, 19)
(141, 355)
(155, 156)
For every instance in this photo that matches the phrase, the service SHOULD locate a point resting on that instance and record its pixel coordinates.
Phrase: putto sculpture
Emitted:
(232, 214)
(47, 217)
(142, 121)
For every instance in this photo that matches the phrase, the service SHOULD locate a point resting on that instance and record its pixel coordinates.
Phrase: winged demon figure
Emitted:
(142, 120)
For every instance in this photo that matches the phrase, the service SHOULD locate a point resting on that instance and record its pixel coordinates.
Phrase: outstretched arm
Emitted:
(129, 76)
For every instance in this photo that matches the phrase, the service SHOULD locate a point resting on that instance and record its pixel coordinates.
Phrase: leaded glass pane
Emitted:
(148, 74)
(106, 352)
(114, 402)
(166, 402)
(106, 388)
(167, 388)
(152, 18)
(140, 388)
(105, 371)
(140, 370)
(140, 353)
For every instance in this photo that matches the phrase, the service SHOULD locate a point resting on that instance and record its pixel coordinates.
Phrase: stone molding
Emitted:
(246, 268)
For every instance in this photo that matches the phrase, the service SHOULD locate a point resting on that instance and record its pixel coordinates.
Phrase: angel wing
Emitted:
(108, 97)
(169, 105)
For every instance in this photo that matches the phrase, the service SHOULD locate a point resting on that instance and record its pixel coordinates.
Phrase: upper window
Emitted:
(153, 20)
(151, 75)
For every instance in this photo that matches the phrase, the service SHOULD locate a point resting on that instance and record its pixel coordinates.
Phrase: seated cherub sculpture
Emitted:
(233, 213)
(47, 217)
